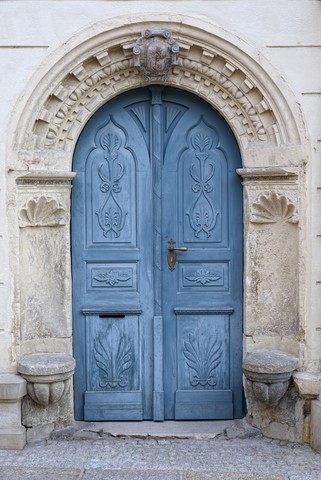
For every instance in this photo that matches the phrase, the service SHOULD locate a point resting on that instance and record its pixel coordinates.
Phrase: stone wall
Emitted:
(256, 62)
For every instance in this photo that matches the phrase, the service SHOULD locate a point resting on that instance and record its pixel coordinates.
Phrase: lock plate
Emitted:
(171, 257)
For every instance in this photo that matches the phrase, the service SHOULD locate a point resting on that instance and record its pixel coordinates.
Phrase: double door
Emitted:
(157, 261)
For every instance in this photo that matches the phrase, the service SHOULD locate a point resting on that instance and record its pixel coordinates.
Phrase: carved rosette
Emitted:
(273, 207)
(42, 212)
(155, 52)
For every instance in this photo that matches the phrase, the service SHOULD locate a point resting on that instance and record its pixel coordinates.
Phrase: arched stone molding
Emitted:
(97, 64)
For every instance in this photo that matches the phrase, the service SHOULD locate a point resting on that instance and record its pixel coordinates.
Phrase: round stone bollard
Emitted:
(46, 375)
(268, 374)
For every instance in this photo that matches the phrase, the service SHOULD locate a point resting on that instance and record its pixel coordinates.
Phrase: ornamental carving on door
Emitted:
(202, 356)
(202, 214)
(203, 276)
(114, 357)
(111, 215)
(112, 277)
(111, 167)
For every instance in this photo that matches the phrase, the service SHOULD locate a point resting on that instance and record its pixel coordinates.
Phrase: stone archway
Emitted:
(209, 65)
(85, 73)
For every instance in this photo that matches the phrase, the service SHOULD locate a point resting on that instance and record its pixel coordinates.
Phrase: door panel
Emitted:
(111, 267)
(202, 296)
(154, 165)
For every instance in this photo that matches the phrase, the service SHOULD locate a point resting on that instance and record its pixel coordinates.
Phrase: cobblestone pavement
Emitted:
(161, 459)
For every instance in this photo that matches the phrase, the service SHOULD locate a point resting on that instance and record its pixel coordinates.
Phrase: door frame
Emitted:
(256, 102)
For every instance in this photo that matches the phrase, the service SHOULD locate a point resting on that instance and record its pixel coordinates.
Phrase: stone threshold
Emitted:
(197, 430)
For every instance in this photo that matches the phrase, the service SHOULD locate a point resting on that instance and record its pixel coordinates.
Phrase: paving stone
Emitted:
(23, 473)
(230, 476)
(251, 458)
(99, 474)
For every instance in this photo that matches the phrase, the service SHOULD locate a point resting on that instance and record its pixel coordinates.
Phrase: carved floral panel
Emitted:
(112, 276)
(202, 356)
(112, 209)
(113, 356)
(209, 276)
(201, 185)
(113, 353)
(203, 351)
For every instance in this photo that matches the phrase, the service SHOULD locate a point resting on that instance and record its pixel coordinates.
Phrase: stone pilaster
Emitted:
(44, 259)
(271, 244)
(271, 249)
(43, 201)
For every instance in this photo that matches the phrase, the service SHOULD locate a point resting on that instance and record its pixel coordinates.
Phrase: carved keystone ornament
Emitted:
(155, 52)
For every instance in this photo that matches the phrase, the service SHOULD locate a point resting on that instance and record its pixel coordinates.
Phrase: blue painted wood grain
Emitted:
(153, 164)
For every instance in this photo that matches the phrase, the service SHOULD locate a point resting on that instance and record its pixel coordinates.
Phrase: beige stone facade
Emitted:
(258, 63)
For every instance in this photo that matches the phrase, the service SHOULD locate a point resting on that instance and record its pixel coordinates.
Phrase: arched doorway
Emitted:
(154, 340)
(74, 81)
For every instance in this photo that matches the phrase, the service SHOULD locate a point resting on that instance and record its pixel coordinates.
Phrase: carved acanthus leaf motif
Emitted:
(113, 356)
(111, 277)
(42, 211)
(203, 276)
(202, 355)
(273, 207)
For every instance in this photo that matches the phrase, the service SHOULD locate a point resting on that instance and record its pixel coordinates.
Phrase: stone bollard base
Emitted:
(12, 433)
(316, 425)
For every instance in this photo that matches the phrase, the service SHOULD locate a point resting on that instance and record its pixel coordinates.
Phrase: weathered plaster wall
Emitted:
(287, 33)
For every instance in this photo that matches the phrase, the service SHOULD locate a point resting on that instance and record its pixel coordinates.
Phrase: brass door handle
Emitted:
(171, 257)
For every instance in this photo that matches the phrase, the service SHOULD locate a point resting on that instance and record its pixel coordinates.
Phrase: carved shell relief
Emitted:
(273, 207)
(42, 212)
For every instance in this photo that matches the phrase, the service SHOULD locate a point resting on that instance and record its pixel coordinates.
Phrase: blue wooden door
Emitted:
(153, 340)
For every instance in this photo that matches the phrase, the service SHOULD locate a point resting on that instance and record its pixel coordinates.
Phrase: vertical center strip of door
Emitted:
(157, 159)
